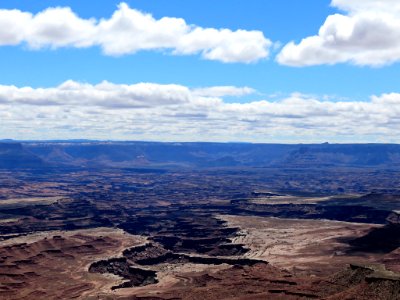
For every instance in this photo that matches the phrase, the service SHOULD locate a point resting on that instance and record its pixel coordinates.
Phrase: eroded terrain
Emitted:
(55, 264)
(205, 234)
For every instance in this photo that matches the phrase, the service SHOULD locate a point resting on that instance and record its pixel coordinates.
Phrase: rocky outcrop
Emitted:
(394, 218)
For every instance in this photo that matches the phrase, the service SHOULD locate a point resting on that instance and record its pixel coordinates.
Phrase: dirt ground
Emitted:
(306, 246)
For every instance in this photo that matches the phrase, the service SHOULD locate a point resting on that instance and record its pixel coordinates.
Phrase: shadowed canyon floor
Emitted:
(209, 234)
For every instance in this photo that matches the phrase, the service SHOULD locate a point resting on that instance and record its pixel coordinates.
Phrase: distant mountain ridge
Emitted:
(157, 154)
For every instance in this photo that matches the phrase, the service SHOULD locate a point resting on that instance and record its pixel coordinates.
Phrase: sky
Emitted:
(279, 71)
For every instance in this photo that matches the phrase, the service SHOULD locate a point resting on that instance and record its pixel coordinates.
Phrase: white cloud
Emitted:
(225, 45)
(368, 33)
(128, 31)
(104, 94)
(59, 27)
(13, 24)
(355, 6)
(223, 91)
(173, 112)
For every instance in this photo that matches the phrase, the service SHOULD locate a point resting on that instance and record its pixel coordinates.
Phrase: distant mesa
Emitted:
(15, 155)
(83, 153)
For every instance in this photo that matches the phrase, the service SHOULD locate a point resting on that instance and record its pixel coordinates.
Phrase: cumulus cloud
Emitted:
(367, 33)
(175, 112)
(103, 94)
(363, 5)
(223, 91)
(128, 31)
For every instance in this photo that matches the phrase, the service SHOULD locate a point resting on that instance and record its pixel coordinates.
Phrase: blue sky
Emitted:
(283, 21)
(345, 72)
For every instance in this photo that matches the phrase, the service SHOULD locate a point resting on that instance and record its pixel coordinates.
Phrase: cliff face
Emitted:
(367, 282)
(15, 155)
